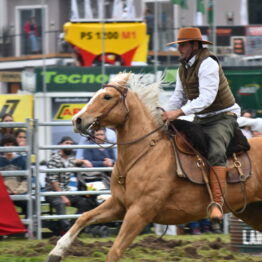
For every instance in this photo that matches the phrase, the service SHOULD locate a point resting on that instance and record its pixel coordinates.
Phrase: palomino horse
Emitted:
(144, 185)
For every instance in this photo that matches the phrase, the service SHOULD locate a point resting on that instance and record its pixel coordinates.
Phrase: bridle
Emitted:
(123, 94)
(96, 123)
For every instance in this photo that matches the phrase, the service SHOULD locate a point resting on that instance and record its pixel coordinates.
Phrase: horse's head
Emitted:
(106, 108)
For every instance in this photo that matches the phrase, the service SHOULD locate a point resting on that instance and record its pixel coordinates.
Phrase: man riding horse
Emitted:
(202, 89)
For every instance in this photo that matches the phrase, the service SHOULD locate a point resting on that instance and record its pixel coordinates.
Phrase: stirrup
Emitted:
(209, 209)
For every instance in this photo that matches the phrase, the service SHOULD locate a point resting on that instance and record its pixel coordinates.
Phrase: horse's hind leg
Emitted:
(133, 223)
(108, 211)
(253, 215)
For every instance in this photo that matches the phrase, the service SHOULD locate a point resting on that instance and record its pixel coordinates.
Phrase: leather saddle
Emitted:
(191, 165)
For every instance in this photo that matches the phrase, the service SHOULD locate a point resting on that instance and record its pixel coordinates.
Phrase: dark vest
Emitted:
(189, 79)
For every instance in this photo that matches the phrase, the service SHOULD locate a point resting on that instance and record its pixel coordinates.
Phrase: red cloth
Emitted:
(10, 222)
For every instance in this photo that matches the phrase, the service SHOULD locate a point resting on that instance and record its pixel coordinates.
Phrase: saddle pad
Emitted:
(188, 168)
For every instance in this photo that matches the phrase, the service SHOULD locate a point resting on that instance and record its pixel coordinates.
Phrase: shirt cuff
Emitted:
(187, 110)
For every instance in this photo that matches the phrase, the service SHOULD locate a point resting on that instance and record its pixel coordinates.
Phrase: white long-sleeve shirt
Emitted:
(208, 76)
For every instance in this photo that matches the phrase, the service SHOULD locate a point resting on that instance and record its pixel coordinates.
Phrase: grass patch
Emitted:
(146, 248)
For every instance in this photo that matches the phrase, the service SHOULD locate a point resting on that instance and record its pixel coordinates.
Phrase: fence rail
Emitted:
(34, 215)
(39, 169)
(35, 195)
(22, 173)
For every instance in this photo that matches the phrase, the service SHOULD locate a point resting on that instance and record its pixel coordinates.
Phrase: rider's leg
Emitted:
(218, 185)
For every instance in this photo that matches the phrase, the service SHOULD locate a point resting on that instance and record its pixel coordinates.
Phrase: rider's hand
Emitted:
(172, 115)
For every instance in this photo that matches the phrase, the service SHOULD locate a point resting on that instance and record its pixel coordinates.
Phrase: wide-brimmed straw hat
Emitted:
(187, 34)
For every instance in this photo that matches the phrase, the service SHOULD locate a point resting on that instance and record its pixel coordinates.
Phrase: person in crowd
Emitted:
(31, 32)
(200, 226)
(204, 226)
(100, 157)
(250, 126)
(149, 20)
(6, 130)
(60, 182)
(202, 89)
(247, 113)
(110, 138)
(20, 136)
(246, 130)
(16, 185)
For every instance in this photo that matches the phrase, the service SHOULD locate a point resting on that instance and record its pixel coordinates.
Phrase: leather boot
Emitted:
(217, 182)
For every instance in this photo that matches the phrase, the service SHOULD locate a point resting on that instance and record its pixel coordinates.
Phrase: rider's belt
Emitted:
(230, 114)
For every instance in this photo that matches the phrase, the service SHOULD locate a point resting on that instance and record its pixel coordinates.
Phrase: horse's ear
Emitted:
(126, 76)
(121, 79)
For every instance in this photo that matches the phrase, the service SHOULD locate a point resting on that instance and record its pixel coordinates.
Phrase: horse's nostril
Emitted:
(78, 121)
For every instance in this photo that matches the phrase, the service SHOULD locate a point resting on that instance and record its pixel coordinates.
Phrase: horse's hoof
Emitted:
(52, 258)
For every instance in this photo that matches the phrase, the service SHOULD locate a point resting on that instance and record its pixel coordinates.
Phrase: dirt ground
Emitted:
(196, 250)
(146, 248)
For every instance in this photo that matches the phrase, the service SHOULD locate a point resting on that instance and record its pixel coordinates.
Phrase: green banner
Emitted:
(90, 79)
(246, 84)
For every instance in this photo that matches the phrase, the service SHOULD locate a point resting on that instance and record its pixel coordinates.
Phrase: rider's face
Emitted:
(185, 49)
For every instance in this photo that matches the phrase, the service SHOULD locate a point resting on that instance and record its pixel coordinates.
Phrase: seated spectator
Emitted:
(99, 157)
(255, 125)
(200, 226)
(110, 138)
(204, 226)
(59, 181)
(6, 130)
(20, 136)
(12, 161)
(246, 130)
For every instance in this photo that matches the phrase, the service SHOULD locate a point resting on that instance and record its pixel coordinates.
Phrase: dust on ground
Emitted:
(82, 249)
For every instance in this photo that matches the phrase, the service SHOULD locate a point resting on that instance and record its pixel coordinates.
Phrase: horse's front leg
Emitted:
(108, 211)
(134, 222)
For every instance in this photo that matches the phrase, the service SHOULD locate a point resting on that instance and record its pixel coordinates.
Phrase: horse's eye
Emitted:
(107, 97)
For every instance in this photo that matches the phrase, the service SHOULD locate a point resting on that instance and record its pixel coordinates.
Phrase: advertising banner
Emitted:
(90, 79)
(126, 41)
(245, 83)
(20, 106)
(63, 109)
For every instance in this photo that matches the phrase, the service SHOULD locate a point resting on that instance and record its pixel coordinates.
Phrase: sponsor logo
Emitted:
(248, 89)
(54, 77)
(67, 111)
(9, 106)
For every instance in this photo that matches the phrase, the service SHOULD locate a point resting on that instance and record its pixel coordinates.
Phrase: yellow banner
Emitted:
(119, 38)
(20, 106)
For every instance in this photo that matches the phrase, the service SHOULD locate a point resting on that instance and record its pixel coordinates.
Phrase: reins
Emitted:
(112, 144)
(123, 92)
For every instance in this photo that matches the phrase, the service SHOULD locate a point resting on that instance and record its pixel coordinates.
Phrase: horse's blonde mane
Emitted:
(147, 91)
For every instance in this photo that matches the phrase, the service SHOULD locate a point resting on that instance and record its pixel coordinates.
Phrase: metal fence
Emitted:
(34, 196)
(38, 170)
(29, 196)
